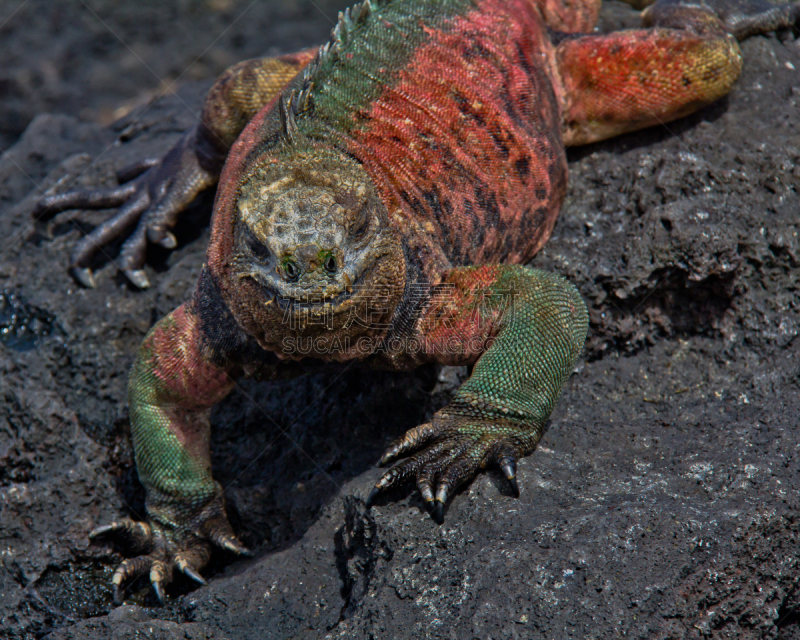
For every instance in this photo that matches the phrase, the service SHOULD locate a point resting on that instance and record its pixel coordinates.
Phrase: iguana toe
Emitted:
(130, 569)
(132, 171)
(54, 204)
(137, 277)
(138, 536)
(458, 447)
(84, 276)
(185, 568)
(509, 468)
(163, 551)
(412, 440)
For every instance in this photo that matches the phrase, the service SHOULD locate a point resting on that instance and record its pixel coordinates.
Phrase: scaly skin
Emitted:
(367, 199)
(482, 315)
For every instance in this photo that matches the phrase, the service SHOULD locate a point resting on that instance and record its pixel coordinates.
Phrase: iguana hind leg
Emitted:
(627, 80)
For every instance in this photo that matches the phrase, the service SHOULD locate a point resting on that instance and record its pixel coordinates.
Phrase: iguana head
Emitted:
(312, 241)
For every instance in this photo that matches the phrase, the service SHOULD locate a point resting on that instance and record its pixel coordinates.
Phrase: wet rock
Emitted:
(22, 325)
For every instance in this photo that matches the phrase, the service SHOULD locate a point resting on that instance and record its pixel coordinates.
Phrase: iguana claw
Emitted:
(147, 207)
(458, 447)
(160, 555)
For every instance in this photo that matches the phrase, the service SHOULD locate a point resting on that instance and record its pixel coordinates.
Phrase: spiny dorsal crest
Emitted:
(341, 35)
(349, 18)
(297, 103)
(287, 109)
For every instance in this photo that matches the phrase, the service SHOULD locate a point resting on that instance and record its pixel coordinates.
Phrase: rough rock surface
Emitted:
(661, 504)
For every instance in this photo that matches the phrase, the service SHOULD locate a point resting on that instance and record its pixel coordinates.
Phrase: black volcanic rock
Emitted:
(662, 502)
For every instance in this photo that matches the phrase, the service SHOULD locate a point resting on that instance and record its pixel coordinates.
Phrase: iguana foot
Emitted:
(158, 191)
(163, 549)
(741, 18)
(452, 449)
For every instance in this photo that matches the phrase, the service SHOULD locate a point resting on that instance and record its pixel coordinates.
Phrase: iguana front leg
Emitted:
(172, 385)
(187, 363)
(523, 329)
(151, 203)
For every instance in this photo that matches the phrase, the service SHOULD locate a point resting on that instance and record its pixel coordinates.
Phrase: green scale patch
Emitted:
(368, 47)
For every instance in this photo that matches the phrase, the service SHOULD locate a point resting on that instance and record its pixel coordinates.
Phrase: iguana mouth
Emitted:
(312, 302)
(298, 300)
(322, 299)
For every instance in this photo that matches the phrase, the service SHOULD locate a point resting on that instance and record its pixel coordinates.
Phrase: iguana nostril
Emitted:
(330, 264)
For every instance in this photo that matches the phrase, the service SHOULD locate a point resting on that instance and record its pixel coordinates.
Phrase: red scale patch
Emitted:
(465, 144)
(180, 366)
